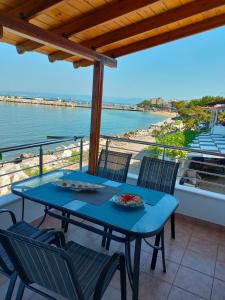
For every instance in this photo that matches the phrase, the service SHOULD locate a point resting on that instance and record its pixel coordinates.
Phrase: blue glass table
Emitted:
(134, 224)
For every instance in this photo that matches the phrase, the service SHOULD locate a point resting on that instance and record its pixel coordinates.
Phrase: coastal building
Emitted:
(96, 33)
(156, 102)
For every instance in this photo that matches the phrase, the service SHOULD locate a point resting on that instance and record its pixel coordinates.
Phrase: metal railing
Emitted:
(40, 151)
(207, 173)
(200, 168)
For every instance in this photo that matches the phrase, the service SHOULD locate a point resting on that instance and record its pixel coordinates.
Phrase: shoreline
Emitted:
(79, 104)
(61, 154)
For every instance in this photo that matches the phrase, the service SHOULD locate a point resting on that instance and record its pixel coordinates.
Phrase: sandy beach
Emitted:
(144, 135)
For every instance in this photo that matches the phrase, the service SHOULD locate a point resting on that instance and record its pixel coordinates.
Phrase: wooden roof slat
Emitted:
(182, 32)
(32, 8)
(98, 16)
(147, 24)
(176, 34)
(30, 31)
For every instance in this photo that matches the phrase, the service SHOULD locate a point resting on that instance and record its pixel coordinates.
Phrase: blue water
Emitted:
(28, 123)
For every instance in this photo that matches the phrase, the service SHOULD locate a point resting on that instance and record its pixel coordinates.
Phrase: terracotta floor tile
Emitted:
(171, 269)
(222, 238)
(194, 282)
(115, 283)
(145, 258)
(152, 288)
(203, 246)
(174, 252)
(86, 238)
(199, 261)
(221, 253)
(220, 270)
(145, 247)
(181, 240)
(208, 233)
(178, 294)
(113, 294)
(218, 291)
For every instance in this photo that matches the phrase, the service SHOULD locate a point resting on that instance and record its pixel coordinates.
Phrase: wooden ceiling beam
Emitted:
(30, 9)
(145, 25)
(93, 18)
(35, 33)
(189, 30)
(170, 36)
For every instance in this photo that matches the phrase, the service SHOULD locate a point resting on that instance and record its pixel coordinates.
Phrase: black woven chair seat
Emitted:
(24, 229)
(89, 265)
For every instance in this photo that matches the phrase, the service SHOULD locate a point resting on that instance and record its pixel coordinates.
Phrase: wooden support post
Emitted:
(95, 115)
(1, 32)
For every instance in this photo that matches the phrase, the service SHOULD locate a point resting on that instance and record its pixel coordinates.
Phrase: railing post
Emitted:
(107, 145)
(81, 154)
(41, 161)
(164, 154)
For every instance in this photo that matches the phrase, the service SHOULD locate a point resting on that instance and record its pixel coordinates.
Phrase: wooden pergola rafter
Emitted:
(96, 32)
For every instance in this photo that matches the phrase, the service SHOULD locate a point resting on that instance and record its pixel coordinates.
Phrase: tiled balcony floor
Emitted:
(195, 263)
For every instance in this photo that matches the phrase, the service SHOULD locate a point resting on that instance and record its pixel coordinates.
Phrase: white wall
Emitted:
(201, 204)
(14, 203)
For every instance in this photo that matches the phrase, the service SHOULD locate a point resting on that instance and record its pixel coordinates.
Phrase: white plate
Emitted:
(78, 185)
(130, 204)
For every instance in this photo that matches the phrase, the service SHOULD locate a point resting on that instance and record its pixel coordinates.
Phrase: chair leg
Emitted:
(65, 224)
(155, 251)
(104, 237)
(172, 222)
(11, 286)
(108, 240)
(123, 284)
(20, 292)
(163, 251)
(66, 227)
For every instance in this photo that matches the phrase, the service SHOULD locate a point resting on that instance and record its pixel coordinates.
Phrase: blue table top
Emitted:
(145, 221)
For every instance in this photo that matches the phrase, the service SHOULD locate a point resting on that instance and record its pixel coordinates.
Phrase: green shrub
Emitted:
(75, 157)
(33, 172)
(179, 139)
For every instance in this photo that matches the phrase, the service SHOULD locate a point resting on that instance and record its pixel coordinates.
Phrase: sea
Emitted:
(21, 124)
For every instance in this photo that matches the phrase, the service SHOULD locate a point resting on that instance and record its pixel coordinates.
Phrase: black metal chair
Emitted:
(25, 229)
(114, 166)
(74, 272)
(159, 175)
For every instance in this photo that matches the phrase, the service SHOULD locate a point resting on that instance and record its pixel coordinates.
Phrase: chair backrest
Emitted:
(158, 174)
(40, 263)
(113, 165)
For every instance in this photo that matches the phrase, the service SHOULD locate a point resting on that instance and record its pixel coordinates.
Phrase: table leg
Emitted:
(22, 214)
(128, 261)
(155, 251)
(136, 269)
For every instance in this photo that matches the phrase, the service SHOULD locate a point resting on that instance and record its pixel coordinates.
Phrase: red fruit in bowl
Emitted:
(127, 197)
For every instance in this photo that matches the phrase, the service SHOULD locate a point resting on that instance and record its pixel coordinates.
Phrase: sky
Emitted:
(185, 69)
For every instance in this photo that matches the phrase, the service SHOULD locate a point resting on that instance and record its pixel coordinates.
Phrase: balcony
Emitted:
(195, 259)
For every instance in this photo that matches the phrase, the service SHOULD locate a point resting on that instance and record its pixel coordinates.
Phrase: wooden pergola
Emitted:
(86, 32)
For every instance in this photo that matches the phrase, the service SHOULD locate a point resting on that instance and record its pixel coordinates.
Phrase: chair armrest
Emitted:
(12, 215)
(107, 270)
